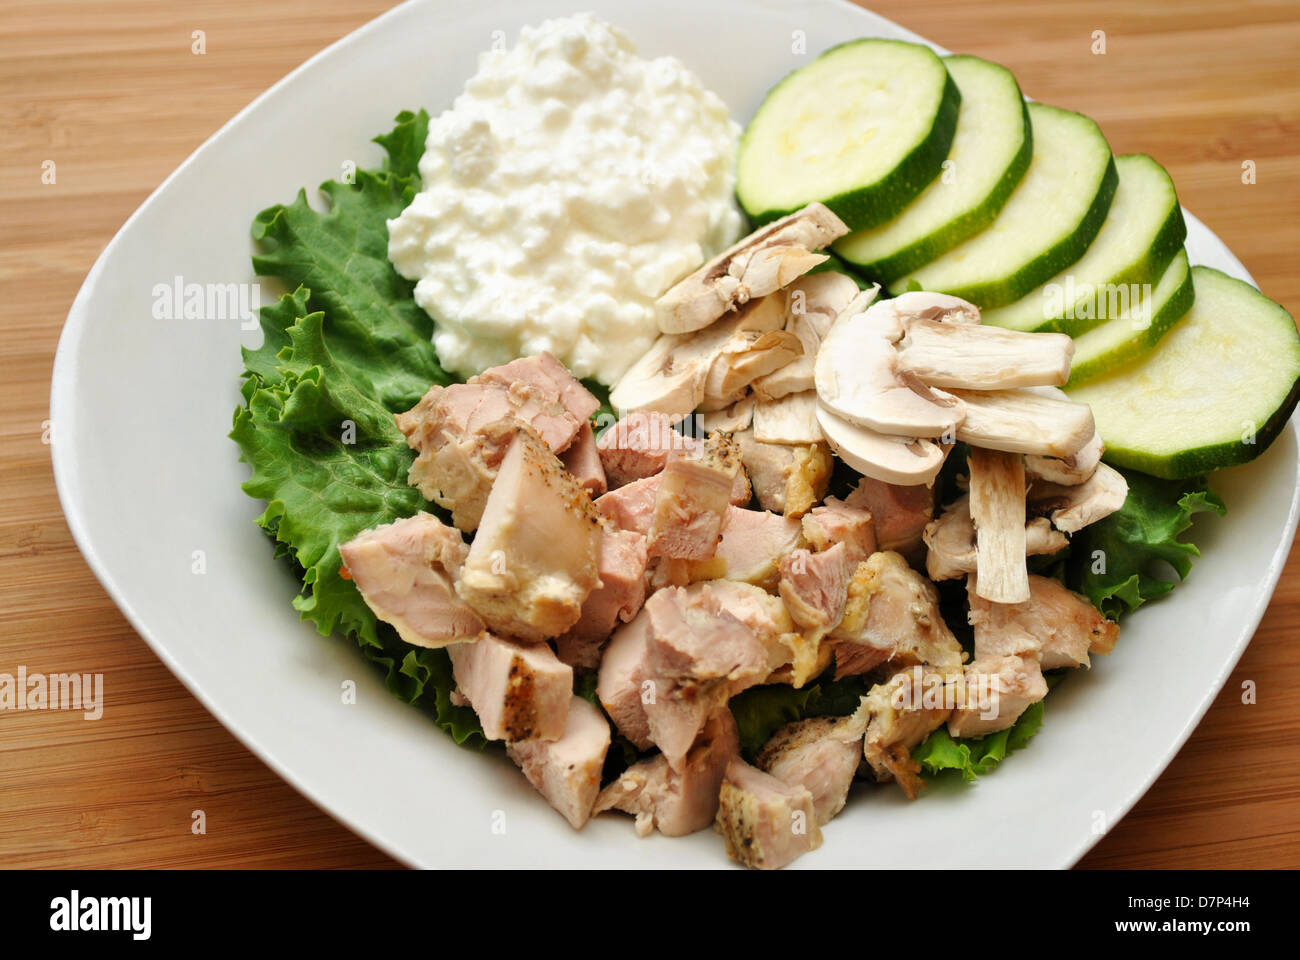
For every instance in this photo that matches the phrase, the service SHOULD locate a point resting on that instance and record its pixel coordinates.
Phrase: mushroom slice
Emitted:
(1067, 471)
(1074, 507)
(859, 378)
(732, 419)
(937, 307)
(1024, 421)
(901, 460)
(997, 507)
(983, 358)
(671, 377)
(744, 359)
(792, 419)
(761, 263)
(950, 541)
(812, 305)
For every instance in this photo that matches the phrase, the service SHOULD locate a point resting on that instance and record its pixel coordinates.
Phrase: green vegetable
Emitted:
(940, 752)
(1116, 562)
(761, 710)
(341, 354)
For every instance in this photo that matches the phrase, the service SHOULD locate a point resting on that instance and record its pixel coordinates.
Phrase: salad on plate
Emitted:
(710, 472)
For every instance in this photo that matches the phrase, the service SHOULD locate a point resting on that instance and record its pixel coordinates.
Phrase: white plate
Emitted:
(141, 408)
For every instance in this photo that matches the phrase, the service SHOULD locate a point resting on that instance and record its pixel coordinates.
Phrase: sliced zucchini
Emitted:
(863, 128)
(1046, 224)
(990, 153)
(1215, 392)
(1143, 230)
(1136, 330)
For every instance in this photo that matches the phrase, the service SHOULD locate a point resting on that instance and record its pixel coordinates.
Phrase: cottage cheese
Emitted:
(569, 185)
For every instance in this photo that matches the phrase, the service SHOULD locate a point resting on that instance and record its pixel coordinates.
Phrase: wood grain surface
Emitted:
(111, 92)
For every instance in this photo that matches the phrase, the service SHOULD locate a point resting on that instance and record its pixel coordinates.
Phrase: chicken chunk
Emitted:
(582, 459)
(535, 557)
(640, 445)
(900, 513)
(1055, 624)
(405, 572)
(519, 691)
(458, 455)
(632, 506)
(752, 545)
(567, 771)
(997, 691)
(787, 478)
(757, 609)
(820, 754)
(621, 683)
(676, 802)
(836, 522)
(765, 822)
(617, 600)
(692, 501)
(902, 712)
(892, 614)
(814, 587)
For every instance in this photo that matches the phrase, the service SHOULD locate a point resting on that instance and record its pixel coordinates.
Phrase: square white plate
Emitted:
(141, 409)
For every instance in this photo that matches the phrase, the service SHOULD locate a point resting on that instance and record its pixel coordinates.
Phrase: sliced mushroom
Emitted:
(1067, 471)
(901, 460)
(765, 261)
(950, 541)
(997, 507)
(671, 377)
(937, 307)
(792, 419)
(732, 419)
(812, 304)
(1074, 507)
(1024, 421)
(983, 358)
(745, 358)
(859, 379)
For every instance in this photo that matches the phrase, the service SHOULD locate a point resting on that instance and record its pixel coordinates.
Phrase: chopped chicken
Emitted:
(836, 522)
(753, 543)
(692, 501)
(617, 600)
(696, 659)
(757, 609)
(458, 453)
(821, 754)
(814, 587)
(405, 572)
(567, 771)
(787, 479)
(765, 822)
(900, 513)
(997, 691)
(632, 506)
(1056, 624)
(892, 614)
(535, 557)
(902, 712)
(621, 684)
(640, 445)
(582, 459)
(951, 541)
(519, 691)
(677, 802)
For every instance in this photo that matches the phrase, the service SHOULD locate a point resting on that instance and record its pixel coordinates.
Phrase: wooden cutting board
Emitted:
(114, 96)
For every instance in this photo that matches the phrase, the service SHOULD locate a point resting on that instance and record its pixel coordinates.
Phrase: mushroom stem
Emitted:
(997, 506)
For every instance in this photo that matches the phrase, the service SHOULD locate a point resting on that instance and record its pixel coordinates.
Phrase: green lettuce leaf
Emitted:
(1119, 562)
(760, 711)
(340, 355)
(977, 756)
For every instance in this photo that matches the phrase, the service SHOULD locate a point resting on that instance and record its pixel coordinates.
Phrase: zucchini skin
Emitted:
(1162, 322)
(1168, 241)
(877, 203)
(918, 254)
(998, 293)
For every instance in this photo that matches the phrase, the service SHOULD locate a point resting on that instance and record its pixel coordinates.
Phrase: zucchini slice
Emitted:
(1215, 392)
(1143, 230)
(1046, 225)
(990, 153)
(863, 128)
(1137, 330)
